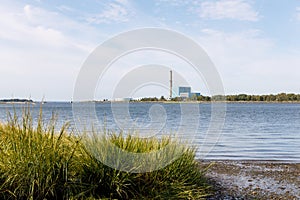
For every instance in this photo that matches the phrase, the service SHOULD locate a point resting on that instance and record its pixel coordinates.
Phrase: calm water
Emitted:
(251, 131)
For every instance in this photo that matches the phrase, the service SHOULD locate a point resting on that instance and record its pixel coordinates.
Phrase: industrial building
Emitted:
(185, 92)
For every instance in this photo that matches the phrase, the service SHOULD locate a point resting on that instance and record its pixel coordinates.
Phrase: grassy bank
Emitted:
(36, 162)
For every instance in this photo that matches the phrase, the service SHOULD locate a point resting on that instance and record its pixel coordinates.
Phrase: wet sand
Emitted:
(245, 180)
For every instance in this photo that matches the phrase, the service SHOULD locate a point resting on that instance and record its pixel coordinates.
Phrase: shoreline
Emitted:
(17, 102)
(252, 179)
(239, 102)
(166, 102)
(194, 102)
(249, 161)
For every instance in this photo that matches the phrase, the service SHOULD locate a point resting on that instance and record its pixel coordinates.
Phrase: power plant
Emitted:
(183, 91)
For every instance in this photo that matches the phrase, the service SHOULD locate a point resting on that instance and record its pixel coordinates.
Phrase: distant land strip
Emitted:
(239, 98)
(282, 97)
(16, 101)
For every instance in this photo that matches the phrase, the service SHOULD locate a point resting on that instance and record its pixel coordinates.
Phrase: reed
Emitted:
(36, 162)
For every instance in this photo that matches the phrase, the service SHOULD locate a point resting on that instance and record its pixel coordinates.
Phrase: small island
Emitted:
(16, 101)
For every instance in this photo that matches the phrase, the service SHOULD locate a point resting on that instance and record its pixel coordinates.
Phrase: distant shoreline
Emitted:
(187, 102)
(16, 101)
(29, 101)
(203, 102)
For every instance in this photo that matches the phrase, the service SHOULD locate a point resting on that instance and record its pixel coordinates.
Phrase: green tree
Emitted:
(162, 98)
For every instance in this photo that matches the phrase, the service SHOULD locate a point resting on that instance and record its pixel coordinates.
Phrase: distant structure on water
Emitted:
(126, 99)
(185, 92)
(171, 84)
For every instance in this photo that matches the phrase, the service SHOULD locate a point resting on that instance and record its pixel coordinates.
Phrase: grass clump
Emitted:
(36, 162)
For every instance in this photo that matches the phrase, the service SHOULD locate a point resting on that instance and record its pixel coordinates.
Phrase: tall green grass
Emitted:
(36, 162)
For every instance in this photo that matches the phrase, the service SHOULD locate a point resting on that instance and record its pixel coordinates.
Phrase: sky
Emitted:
(254, 45)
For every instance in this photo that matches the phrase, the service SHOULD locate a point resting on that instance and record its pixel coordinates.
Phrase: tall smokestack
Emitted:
(171, 83)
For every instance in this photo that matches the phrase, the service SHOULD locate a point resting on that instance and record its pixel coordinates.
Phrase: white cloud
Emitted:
(65, 8)
(173, 2)
(228, 9)
(248, 62)
(298, 13)
(236, 47)
(41, 51)
(32, 25)
(116, 12)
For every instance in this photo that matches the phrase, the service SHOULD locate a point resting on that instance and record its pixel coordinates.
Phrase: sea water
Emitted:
(251, 131)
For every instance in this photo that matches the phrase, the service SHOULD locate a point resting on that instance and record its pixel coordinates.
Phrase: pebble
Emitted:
(257, 183)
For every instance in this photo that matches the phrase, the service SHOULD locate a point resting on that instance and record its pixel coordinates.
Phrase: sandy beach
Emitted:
(245, 180)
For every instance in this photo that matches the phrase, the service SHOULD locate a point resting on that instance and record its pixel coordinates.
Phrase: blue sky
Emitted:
(255, 45)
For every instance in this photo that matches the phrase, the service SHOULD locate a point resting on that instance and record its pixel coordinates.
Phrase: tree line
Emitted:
(282, 97)
(16, 101)
(267, 98)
